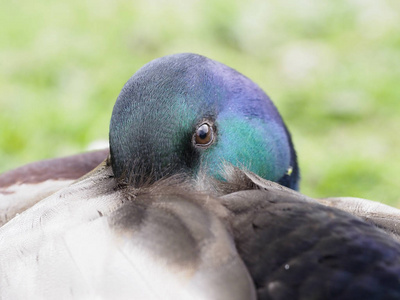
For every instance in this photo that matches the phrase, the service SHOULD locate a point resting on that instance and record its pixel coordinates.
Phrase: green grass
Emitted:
(332, 69)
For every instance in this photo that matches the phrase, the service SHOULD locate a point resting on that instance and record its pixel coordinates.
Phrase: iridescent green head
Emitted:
(184, 113)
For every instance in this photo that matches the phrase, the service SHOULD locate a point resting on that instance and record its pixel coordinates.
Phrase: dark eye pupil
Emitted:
(202, 131)
(203, 135)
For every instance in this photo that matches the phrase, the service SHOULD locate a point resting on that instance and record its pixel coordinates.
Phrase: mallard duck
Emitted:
(196, 200)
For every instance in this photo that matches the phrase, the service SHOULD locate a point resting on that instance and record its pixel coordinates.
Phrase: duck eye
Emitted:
(204, 135)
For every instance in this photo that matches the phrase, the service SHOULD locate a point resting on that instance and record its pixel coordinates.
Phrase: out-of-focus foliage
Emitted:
(331, 67)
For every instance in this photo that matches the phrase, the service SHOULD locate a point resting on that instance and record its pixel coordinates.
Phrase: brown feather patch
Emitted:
(70, 167)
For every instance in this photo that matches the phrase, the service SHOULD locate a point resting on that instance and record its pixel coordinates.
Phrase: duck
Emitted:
(196, 198)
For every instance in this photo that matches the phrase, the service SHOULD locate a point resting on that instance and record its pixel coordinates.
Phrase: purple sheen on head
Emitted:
(159, 108)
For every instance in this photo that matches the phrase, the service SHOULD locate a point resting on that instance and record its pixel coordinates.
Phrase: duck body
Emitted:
(95, 240)
(183, 207)
(92, 240)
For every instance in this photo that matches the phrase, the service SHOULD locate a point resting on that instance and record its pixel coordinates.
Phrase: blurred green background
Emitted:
(332, 69)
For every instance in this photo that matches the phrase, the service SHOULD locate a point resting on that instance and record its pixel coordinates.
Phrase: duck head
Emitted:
(187, 114)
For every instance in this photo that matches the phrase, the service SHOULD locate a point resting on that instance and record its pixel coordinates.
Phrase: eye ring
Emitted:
(203, 135)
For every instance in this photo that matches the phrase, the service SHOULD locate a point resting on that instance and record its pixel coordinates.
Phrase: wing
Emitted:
(376, 213)
(380, 215)
(23, 187)
(295, 248)
(93, 240)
